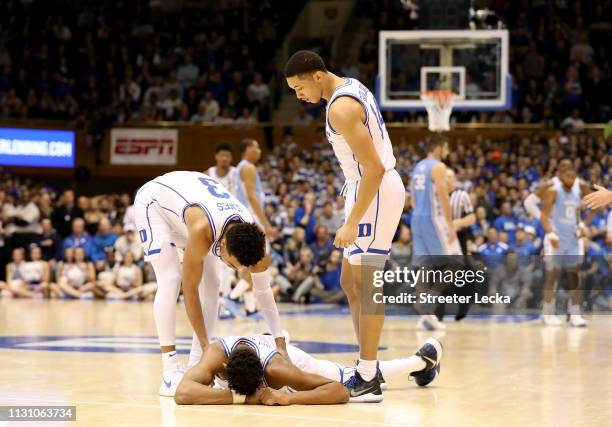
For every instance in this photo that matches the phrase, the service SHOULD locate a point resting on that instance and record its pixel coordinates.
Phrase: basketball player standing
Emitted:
(373, 192)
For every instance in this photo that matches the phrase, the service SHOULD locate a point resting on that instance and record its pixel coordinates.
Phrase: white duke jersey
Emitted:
(163, 201)
(228, 181)
(373, 121)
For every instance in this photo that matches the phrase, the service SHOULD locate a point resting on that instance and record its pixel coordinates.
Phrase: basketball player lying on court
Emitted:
(248, 369)
(191, 211)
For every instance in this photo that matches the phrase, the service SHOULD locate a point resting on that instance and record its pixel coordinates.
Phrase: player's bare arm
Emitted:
(310, 389)
(347, 116)
(548, 199)
(196, 386)
(199, 241)
(249, 177)
(438, 175)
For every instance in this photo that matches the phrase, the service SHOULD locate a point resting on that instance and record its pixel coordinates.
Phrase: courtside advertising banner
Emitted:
(37, 148)
(144, 146)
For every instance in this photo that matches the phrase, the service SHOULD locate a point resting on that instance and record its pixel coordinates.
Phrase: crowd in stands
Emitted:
(89, 244)
(108, 62)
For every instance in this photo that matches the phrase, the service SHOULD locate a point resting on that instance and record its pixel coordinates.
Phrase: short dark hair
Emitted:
(246, 143)
(247, 243)
(244, 371)
(434, 142)
(304, 62)
(223, 147)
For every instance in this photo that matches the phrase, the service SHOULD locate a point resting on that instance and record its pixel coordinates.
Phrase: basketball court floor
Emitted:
(102, 357)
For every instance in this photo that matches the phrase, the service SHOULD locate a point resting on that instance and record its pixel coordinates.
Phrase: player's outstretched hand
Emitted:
(598, 198)
(270, 397)
(345, 236)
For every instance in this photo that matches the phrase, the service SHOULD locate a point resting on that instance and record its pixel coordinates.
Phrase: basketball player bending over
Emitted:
(374, 195)
(249, 370)
(192, 211)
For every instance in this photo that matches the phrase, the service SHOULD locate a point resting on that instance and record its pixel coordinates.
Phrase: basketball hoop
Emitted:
(439, 105)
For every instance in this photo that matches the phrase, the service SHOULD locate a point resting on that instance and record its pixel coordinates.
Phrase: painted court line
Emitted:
(201, 409)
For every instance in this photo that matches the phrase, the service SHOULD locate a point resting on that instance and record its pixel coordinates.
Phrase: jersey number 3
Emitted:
(211, 185)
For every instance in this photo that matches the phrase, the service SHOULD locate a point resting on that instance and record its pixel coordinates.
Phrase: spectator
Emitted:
(21, 219)
(304, 216)
(507, 222)
(209, 107)
(128, 243)
(246, 118)
(76, 279)
(258, 92)
(188, 72)
(323, 246)
(302, 118)
(49, 242)
(101, 242)
(493, 253)
(17, 283)
(401, 249)
(79, 237)
(573, 120)
(64, 214)
(482, 224)
(127, 282)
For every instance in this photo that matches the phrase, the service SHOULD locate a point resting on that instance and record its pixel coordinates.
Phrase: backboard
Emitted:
(471, 63)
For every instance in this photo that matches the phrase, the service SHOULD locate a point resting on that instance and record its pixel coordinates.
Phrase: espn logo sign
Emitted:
(144, 146)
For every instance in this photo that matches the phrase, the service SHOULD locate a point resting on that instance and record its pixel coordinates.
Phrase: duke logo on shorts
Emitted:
(160, 207)
(379, 224)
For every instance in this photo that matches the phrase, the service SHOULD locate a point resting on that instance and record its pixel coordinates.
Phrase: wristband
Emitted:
(238, 398)
(552, 236)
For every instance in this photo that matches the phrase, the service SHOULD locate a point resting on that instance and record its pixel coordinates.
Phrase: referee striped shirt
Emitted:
(461, 204)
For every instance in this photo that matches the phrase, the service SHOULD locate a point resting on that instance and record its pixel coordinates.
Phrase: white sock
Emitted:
(168, 274)
(170, 361)
(400, 367)
(240, 288)
(249, 301)
(574, 310)
(548, 307)
(367, 369)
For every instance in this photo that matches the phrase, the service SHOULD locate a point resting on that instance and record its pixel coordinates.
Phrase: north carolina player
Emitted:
(191, 211)
(249, 191)
(563, 249)
(248, 369)
(224, 173)
(433, 231)
(374, 195)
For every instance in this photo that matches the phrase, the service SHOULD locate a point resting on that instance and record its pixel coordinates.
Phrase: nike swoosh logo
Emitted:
(432, 361)
(167, 383)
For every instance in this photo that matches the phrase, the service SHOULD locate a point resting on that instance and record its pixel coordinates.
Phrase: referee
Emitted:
(463, 217)
(462, 210)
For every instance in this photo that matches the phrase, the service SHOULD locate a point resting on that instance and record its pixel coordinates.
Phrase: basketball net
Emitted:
(439, 105)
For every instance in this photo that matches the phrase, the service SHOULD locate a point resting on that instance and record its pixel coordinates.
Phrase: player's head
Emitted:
(305, 72)
(437, 145)
(223, 155)
(244, 371)
(567, 173)
(249, 150)
(243, 245)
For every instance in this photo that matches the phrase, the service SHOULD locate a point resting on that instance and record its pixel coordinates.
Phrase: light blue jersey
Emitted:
(423, 190)
(564, 213)
(430, 230)
(241, 193)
